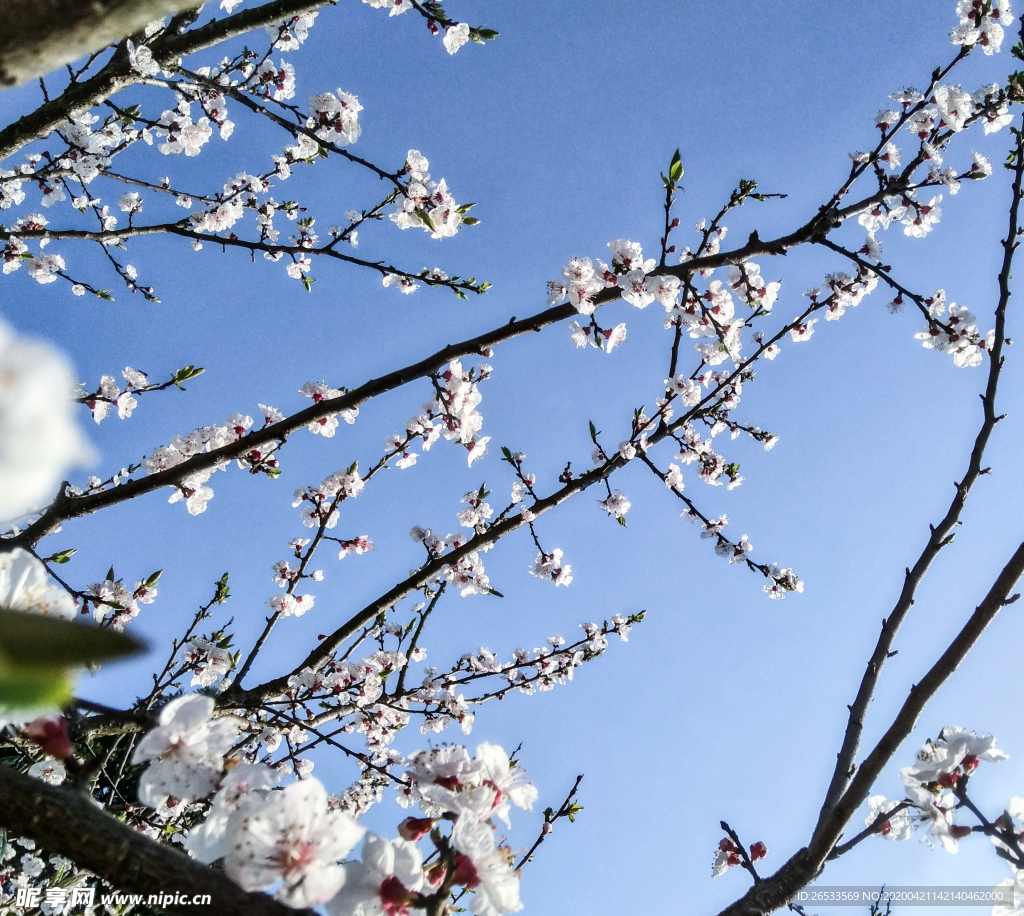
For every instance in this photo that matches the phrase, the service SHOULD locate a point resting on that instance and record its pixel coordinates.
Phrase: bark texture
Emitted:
(66, 822)
(40, 35)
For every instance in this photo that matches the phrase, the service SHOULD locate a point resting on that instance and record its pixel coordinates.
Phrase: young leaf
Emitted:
(37, 641)
(675, 170)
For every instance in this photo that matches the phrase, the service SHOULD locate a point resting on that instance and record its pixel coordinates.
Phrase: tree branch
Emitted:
(42, 35)
(775, 892)
(941, 533)
(117, 74)
(64, 508)
(64, 822)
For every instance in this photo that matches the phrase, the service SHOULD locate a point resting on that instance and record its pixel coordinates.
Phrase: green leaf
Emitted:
(110, 574)
(183, 375)
(34, 688)
(308, 282)
(35, 641)
(153, 579)
(494, 591)
(62, 556)
(465, 208)
(470, 221)
(222, 590)
(487, 34)
(675, 170)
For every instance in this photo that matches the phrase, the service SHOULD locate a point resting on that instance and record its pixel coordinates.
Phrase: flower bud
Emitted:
(415, 828)
(758, 851)
(394, 896)
(465, 872)
(50, 733)
(958, 833)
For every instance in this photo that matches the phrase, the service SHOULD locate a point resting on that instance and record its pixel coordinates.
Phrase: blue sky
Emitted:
(723, 705)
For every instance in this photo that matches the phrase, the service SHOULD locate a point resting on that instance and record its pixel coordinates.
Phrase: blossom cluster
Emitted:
(981, 23)
(957, 334)
(295, 835)
(452, 413)
(425, 203)
(193, 487)
(108, 394)
(930, 785)
(114, 604)
(209, 661)
(455, 405)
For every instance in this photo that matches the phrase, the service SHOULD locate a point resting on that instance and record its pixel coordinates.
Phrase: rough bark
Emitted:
(40, 35)
(65, 822)
(117, 74)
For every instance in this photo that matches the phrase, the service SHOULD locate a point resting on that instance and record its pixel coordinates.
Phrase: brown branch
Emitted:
(41, 35)
(64, 508)
(775, 892)
(117, 73)
(564, 810)
(67, 823)
(942, 533)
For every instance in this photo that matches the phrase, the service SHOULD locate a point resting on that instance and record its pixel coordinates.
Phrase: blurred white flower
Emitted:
(39, 439)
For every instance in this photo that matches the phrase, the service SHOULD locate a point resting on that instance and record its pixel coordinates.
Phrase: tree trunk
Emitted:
(70, 824)
(40, 35)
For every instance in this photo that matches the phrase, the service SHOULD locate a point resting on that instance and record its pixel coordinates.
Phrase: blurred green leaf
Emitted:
(33, 688)
(33, 641)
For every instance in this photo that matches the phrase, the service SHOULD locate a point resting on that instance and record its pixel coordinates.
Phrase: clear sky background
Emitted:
(723, 704)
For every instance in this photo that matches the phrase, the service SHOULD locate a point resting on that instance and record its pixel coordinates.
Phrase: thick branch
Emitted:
(65, 508)
(117, 73)
(42, 35)
(942, 533)
(775, 892)
(920, 694)
(63, 821)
